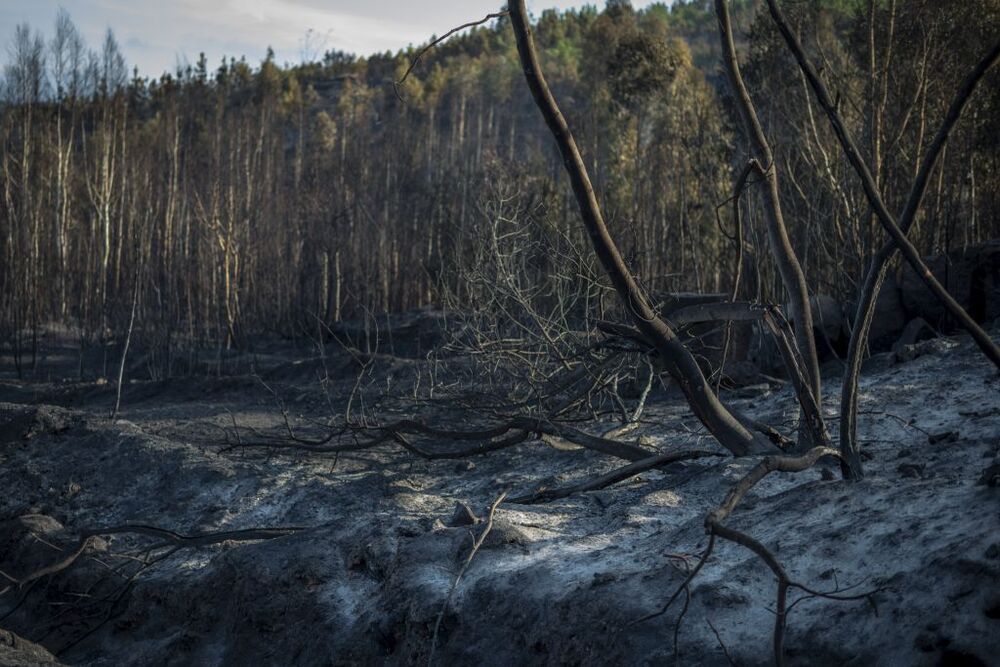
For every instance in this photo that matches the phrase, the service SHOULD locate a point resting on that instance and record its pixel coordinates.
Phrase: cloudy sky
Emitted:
(156, 35)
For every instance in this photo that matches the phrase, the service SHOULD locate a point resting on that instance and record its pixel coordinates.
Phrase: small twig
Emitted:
(88, 537)
(722, 645)
(279, 403)
(684, 584)
(904, 422)
(116, 599)
(128, 340)
(236, 428)
(477, 543)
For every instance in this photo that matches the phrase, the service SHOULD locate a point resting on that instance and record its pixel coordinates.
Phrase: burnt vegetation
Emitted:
(601, 233)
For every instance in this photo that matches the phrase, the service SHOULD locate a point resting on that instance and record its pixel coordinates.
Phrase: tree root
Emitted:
(715, 527)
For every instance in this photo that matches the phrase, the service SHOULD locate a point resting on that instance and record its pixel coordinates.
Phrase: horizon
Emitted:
(159, 39)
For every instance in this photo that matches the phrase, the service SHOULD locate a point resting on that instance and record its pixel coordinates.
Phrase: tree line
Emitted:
(248, 199)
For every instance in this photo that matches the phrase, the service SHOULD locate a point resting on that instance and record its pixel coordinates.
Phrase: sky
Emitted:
(157, 35)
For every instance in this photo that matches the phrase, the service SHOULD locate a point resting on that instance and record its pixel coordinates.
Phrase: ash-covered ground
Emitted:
(366, 577)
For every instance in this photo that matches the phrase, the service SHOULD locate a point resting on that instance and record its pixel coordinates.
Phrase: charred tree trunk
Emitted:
(789, 269)
(850, 454)
(679, 362)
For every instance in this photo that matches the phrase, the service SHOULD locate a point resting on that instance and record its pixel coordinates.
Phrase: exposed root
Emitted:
(714, 526)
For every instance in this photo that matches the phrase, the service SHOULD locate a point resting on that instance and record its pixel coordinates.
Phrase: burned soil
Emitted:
(367, 544)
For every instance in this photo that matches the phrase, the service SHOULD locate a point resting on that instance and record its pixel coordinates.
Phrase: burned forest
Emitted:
(653, 333)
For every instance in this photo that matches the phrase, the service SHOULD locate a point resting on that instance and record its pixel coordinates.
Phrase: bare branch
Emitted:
(609, 478)
(435, 42)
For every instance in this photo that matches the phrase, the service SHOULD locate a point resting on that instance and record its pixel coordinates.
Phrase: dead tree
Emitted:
(789, 269)
(897, 230)
(730, 431)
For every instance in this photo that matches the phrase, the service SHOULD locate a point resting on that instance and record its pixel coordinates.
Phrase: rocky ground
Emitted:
(366, 577)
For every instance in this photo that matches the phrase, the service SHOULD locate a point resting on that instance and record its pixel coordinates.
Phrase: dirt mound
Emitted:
(23, 422)
(18, 652)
